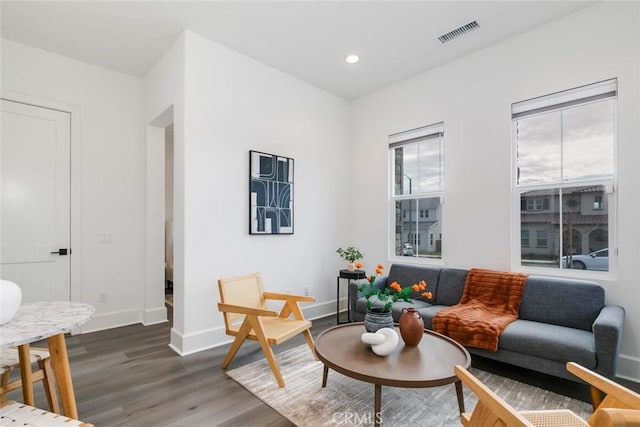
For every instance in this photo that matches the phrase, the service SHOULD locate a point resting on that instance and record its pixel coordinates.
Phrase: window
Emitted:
(416, 160)
(597, 203)
(541, 238)
(564, 172)
(537, 204)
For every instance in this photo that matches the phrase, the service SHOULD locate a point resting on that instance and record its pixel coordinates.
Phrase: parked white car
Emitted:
(407, 249)
(598, 260)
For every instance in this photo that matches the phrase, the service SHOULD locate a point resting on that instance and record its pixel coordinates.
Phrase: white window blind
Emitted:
(564, 99)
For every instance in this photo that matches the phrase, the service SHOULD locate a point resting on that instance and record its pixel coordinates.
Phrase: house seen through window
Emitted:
(564, 164)
(416, 158)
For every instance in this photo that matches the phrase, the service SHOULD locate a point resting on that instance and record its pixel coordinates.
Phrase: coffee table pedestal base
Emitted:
(377, 396)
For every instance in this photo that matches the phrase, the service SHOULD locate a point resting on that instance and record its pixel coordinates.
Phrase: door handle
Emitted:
(61, 251)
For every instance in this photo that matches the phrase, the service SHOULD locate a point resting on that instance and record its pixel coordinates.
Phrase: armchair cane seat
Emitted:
(277, 329)
(554, 418)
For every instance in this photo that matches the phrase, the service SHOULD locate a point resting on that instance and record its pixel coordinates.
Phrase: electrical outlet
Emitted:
(306, 291)
(102, 297)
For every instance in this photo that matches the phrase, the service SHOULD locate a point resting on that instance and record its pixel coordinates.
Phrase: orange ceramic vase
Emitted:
(411, 326)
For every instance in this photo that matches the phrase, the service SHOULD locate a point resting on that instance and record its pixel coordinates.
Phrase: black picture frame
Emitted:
(270, 193)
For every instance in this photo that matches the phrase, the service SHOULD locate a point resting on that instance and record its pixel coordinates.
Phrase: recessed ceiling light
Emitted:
(352, 59)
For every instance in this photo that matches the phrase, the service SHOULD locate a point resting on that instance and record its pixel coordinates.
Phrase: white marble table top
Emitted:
(39, 320)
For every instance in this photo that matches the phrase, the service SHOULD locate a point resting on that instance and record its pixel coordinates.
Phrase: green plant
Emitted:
(350, 254)
(386, 296)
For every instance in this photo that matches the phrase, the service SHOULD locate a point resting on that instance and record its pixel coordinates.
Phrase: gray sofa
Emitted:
(560, 320)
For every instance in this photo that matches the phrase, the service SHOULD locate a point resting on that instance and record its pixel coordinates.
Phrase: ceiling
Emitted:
(306, 39)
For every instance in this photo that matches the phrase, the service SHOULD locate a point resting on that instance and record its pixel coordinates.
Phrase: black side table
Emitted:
(349, 275)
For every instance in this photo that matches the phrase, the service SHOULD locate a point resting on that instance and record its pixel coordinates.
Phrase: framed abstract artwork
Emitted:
(270, 194)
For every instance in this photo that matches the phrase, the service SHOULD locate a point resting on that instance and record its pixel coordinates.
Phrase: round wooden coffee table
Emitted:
(429, 364)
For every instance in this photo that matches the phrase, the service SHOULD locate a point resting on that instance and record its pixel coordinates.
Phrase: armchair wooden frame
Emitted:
(620, 407)
(619, 402)
(246, 317)
(491, 410)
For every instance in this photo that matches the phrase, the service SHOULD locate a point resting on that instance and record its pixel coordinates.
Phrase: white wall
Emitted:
(473, 96)
(110, 175)
(164, 105)
(234, 104)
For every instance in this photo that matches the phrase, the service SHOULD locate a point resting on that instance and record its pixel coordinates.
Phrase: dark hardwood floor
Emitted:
(130, 377)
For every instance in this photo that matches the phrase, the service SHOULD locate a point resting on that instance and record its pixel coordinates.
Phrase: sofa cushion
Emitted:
(564, 302)
(450, 286)
(550, 341)
(408, 275)
(427, 314)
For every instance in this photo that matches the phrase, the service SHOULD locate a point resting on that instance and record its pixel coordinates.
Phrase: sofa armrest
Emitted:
(355, 294)
(607, 332)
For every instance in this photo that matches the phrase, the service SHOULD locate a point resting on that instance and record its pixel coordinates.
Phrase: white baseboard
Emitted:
(198, 341)
(154, 316)
(113, 319)
(628, 368)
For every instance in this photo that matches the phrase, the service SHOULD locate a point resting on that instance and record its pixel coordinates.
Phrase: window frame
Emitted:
(407, 138)
(609, 203)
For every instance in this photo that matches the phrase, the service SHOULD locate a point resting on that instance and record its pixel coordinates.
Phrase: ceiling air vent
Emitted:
(458, 32)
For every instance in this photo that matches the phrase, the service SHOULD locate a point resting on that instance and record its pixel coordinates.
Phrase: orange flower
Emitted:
(358, 265)
(422, 285)
(395, 286)
(427, 295)
(416, 288)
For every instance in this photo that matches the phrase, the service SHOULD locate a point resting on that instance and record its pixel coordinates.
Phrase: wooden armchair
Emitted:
(619, 402)
(243, 305)
(491, 410)
(620, 407)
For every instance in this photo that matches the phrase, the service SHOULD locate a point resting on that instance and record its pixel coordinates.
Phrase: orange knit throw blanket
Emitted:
(490, 302)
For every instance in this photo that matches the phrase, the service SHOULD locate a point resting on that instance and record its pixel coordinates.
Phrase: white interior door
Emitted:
(35, 203)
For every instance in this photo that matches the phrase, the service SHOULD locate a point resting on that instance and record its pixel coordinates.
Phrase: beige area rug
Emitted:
(348, 402)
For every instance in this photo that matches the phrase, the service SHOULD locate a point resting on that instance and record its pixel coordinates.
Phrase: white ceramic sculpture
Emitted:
(382, 342)
(10, 299)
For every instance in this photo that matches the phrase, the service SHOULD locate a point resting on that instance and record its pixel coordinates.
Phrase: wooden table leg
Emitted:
(377, 404)
(325, 373)
(458, 385)
(25, 374)
(60, 362)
